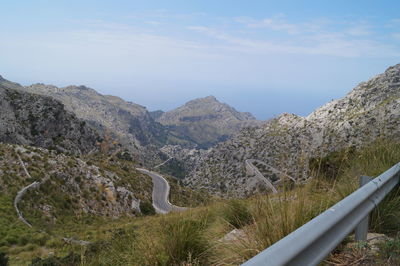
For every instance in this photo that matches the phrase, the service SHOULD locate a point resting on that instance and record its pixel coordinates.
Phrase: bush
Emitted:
(23, 240)
(147, 208)
(40, 239)
(3, 259)
(70, 260)
(11, 240)
(390, 250)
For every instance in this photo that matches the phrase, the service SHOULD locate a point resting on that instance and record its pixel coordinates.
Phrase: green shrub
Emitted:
(147, 208)
(40, 239)
(3, 259)
(390, 250)
(71, 259)
(23, 240)
(11, 240)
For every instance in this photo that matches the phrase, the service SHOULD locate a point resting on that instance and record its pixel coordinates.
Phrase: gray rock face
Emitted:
(206, 121)
(128, 123)
(35, 120)
(287, 142)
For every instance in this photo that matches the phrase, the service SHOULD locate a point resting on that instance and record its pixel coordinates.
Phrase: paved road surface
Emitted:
(160, 193)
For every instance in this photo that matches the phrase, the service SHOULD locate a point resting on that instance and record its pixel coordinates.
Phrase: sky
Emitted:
(264, 57)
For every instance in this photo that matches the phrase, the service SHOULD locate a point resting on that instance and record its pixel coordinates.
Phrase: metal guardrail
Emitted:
(312, 242)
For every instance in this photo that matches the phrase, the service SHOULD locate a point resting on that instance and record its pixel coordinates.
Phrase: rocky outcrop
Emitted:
(287, 142)
(205, 121)
(31, 119)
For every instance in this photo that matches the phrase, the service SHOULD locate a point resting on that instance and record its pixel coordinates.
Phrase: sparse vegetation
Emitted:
(192, 237)
(263, 220)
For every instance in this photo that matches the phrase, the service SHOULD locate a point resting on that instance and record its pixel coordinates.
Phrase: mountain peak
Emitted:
(205, 121)
(210, 98)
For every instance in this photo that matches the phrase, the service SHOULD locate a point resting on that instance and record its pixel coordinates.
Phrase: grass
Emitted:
(236, 213)
(184, 240)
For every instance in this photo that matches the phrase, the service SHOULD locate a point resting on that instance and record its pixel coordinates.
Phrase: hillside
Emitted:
(130, 124)
(69, 188)
(199, 123)
(205, 121)
(30, 119)
(288, 142)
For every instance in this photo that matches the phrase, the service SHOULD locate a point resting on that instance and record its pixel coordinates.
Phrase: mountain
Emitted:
(127, 123)
(205, 121)
(156, 114)
(30, 119)
(287, 143)
(200, 123)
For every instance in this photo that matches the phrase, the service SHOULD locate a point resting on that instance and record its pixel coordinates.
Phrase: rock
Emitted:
(234, 235)
(30, 119)
(288, 142)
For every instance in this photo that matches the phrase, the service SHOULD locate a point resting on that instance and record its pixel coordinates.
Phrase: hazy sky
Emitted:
(265, 57)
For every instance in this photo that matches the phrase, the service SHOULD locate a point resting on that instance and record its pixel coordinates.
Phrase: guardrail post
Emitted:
(361, 230)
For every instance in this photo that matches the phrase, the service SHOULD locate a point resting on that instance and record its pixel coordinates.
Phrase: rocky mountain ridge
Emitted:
(31, 119)
(205, 121)
(198, 124)
(287, 142)
(129, 124)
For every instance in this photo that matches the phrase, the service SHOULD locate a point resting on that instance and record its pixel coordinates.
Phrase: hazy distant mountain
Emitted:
(369, 111)
(31, 119)
(156, 114)
(206, 121)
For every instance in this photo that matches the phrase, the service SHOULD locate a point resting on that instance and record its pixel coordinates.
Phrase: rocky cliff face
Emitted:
(286, 143)
(31, 119)
(206, 121)
(129, 124)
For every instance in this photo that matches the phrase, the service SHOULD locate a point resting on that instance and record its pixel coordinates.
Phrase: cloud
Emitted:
(330, 44)
(359, 30)
(396, 35)
(317, 37)
(274, 23)
(279, 23)
(154, 23)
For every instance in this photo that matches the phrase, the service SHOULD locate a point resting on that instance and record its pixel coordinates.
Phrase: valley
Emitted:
(91, 179)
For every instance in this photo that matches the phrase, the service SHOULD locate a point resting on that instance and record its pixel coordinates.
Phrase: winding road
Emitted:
(160, 193)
